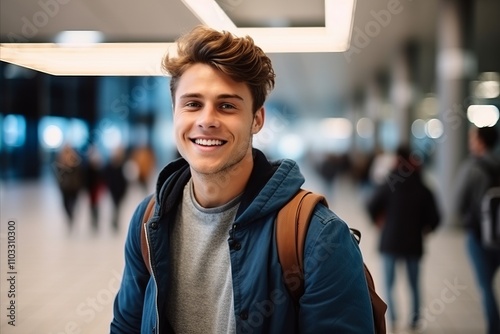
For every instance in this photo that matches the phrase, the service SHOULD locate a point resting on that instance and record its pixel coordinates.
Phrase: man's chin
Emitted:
(204, 168)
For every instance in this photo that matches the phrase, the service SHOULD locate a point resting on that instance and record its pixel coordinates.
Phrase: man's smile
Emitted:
(208, 142)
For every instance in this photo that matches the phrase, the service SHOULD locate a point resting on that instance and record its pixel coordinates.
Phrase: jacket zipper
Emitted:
(154, 279)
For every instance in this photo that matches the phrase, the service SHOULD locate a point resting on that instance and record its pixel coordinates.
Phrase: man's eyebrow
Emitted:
(219, 97)
(230, 96)
(190, 95)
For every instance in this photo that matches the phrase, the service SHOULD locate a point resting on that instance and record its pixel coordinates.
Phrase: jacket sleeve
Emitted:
(128, 304)
(336, 297)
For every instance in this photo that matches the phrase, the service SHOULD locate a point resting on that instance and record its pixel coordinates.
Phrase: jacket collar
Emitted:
(170, 184)
(261, 173)
(286, 181)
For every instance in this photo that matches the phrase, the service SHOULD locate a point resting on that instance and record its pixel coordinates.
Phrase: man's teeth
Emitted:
(208, 142)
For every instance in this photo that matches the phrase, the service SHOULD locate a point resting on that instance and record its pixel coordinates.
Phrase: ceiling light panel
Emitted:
(144, 59)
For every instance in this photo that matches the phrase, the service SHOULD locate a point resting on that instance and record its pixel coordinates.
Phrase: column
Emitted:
(454, 66)
(401, 92)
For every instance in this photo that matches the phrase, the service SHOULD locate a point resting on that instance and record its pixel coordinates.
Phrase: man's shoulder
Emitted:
(326, 222)
(324, 215)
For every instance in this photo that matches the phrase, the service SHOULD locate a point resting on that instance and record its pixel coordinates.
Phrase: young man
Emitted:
(211, 240)
(473, 180)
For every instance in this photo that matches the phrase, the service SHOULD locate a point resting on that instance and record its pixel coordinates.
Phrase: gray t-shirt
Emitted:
(201, 290)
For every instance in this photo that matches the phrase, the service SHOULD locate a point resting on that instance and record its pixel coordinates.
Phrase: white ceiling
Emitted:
(312, 82)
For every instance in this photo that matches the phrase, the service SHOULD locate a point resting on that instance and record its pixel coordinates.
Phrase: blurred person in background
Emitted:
(94, 183)
(473, 179)
(70, 178)
(405, 210)
(144, 163)
(116, 182)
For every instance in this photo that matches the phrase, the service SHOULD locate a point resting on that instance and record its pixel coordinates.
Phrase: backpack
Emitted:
(490, 210)
(290, 241)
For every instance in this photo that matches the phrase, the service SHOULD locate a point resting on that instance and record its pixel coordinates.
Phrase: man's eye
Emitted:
(192, 105)
(227, 106)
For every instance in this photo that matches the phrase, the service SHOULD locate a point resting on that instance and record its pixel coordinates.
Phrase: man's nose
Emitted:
(208, 117)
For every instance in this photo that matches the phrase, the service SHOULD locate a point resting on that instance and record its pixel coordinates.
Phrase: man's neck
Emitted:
(218, 189)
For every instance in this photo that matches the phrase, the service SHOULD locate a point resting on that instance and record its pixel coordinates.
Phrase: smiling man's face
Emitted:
(213, 120)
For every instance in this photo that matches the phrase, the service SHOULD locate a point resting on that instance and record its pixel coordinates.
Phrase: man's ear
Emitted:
(258, 120)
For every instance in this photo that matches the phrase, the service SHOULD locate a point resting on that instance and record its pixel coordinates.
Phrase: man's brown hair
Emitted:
(237, 57)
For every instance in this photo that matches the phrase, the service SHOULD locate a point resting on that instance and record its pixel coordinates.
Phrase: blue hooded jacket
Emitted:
(335, 299)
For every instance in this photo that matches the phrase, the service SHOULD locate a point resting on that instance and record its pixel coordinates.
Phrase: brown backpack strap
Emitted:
(291, 229)
(148, 213)
(379, 307)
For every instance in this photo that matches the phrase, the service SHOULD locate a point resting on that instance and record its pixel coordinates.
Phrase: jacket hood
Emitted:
(270, 186)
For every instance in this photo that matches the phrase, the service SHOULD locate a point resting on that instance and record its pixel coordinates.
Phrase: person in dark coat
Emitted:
(473, 179)
(116, 182)
(94, 183)
(406, 210)
(70, 178)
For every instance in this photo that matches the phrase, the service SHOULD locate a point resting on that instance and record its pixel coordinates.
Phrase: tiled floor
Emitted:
(65, 282)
